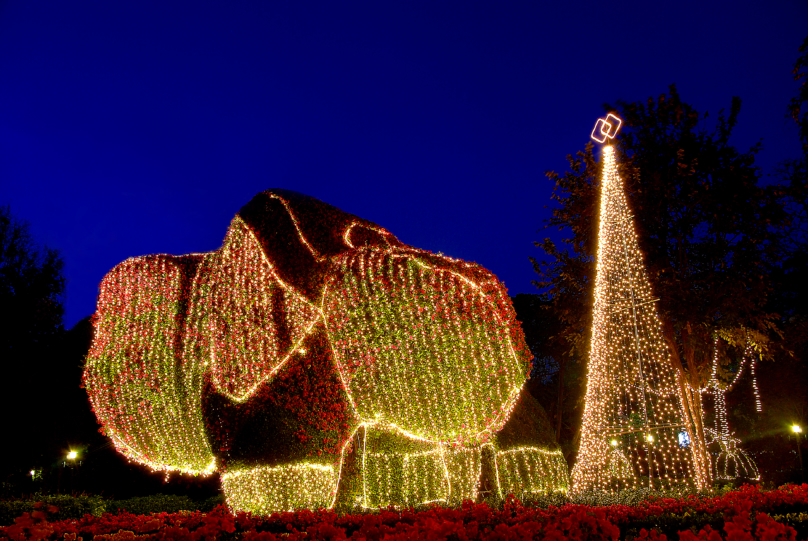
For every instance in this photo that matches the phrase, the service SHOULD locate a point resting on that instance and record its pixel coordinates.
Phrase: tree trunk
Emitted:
(691, 407)
(560, 399)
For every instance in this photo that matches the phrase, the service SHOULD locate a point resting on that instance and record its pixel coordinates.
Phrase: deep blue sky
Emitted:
(129, 128)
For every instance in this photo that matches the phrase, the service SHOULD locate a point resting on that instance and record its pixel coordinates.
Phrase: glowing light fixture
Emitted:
(632, 391)
(606, 128)
(72, 455)
(731, 461)
(796, 429)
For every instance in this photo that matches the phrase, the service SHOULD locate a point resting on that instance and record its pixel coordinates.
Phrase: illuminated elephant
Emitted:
(310, 341)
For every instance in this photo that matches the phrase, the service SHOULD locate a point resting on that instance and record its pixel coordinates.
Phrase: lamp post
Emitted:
(72, 456)
(797, 430)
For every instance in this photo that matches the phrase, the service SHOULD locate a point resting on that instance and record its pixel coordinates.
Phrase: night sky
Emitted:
(130, 128)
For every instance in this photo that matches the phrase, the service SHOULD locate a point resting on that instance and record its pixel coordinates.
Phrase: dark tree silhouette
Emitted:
(784, 385)
(555, 378)
(796, 107)
(792, 174)
(32, 288)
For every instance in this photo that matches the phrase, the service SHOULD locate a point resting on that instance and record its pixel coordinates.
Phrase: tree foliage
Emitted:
(554, 381)
(796, 107)
(792, 174)
(31, 309)
(31, 289)
(710, 230)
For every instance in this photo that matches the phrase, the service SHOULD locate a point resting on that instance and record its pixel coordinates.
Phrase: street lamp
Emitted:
(71, 456)
(797, 430)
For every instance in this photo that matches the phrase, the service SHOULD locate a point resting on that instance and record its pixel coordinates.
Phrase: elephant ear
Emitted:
(255, 321)
(425, 343)
(146, 396)
(299, 235)
(367, 235)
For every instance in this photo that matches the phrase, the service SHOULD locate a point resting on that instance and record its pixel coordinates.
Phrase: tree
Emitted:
(793, 180)
(632, 417)
(787, 402)
(555, 381)
(31, 309)
(795, 106)
(31, 289)
(792, 174)
(710, 233)
(539, 327)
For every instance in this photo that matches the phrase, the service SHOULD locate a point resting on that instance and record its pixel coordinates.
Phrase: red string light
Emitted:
(417, 344)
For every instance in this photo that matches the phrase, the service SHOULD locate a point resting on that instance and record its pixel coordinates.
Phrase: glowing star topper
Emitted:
(606, 128)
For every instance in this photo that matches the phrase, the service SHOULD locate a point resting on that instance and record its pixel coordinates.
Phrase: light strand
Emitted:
(632, 412)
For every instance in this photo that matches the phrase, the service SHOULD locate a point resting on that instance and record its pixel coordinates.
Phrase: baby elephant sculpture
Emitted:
(314, 356)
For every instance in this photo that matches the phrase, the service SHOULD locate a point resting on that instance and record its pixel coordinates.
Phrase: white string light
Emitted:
(731, 462)
(632, 413)
(532, 470)
(425, 346)
(283, 488)
(755, 389)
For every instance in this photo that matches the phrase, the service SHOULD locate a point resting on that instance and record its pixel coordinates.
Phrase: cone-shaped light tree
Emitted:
(634, 429)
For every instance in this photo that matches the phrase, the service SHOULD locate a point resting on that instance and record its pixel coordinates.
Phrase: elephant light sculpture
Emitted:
(314, 348)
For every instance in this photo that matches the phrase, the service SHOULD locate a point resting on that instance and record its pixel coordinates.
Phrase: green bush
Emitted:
(11, 509)
(158, 503)
(206, 506)
(633, 496)
(75, 507)
(798, 521)
(70, 507)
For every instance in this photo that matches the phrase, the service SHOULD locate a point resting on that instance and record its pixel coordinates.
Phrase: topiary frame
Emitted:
(309, 336)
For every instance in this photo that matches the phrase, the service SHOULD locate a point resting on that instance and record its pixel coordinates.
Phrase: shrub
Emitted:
(70, 507)
(745, 514)
(158, 503)
(75, 507)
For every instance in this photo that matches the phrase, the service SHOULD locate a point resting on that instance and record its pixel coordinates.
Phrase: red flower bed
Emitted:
(736, 516)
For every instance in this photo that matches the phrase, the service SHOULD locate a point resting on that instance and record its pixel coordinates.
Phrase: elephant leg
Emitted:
(264, 490)
(526, 457)
(397, 470)
(531, 470)
(464, 465)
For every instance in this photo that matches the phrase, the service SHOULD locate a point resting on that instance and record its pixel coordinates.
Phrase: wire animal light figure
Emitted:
(730, 462)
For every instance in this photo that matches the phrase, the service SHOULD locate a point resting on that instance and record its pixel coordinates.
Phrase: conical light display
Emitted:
(632, 418)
